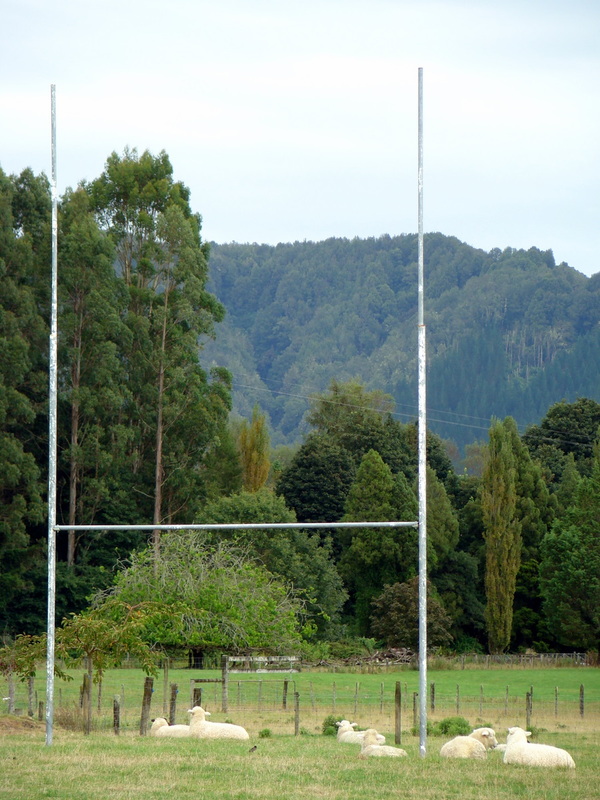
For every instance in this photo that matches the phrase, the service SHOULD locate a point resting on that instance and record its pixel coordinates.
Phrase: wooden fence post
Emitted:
(457, 699)
(581, 701)
(30, 695)
(528, 709)
(432, 697)
(398, 713)
(415, 705)
(296, 714)
(173, 703)
(165, 684)
(556, 701)
(116, 715)
(11, 693)
(86, 696)
(225, 683)
(146, 703)
(285, 693)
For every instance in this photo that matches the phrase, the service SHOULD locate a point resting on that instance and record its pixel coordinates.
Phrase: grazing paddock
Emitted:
(303, 767)
(495, 697)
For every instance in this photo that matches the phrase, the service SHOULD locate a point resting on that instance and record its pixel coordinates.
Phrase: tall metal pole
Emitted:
(422, 456)
(52, 438)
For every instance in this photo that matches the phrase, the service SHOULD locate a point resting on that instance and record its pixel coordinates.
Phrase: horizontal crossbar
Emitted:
(237, 526)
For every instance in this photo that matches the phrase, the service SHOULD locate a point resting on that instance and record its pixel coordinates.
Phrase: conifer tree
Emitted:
(376, 556)
(502, 534)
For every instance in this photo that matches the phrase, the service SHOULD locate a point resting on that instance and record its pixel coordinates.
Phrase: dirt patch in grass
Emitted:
(10, 725)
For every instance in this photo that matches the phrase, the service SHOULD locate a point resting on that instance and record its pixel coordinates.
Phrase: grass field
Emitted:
(496, 696)
(310, 765)
(305, 767)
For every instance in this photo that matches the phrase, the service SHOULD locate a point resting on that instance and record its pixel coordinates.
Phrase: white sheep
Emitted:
(369, 746)
(475, 745)
(346, 733)
(161, 728)
(520, 751)
(201, 728)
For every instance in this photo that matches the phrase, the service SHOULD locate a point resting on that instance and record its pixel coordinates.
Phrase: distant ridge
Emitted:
(509, 332)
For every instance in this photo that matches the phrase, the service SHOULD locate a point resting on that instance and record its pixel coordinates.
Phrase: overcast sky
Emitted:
(294, 120)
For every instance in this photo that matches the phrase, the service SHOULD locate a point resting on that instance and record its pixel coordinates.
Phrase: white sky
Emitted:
(293, 120)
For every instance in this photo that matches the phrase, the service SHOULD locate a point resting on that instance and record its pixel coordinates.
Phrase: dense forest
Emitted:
(159, 334)
(508, 332)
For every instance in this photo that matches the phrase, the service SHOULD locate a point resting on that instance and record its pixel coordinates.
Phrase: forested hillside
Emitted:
(508, 332)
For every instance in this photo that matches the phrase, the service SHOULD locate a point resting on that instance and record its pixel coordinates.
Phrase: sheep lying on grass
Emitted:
(161, 728)
(370, 747)
(346, 733)
(475, 745)
(520, 751)
(201, 728)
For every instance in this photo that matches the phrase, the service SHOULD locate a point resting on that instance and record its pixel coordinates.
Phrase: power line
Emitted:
(583, 438)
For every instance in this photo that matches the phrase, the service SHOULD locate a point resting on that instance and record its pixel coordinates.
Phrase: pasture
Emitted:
(307, 765)
(303, 767)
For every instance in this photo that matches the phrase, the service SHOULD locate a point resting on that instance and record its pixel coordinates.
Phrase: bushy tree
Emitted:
(351, 416)
(566, 428)
(209, 596)
(316, 483)
(395, 617)
(570, 568)
(301, 558)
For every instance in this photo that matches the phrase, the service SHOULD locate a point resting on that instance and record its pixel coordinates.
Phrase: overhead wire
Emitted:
(574, 441)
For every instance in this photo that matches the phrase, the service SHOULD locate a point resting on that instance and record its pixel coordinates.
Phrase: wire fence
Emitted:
(276, 700)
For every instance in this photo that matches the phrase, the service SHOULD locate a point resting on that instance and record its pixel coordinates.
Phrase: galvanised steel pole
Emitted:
(52, 438)
(422, 447)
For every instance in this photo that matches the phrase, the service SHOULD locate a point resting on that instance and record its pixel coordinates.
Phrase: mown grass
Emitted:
(305, 767)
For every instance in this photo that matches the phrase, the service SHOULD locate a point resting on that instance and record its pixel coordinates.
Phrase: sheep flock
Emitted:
(517, 750)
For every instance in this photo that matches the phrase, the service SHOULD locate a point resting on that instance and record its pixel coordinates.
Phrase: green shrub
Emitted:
(329, 726)
(453, 726)
(265, 733)
(415, 730)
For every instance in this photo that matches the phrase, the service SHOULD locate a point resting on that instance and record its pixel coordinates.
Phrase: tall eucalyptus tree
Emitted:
(174, 410)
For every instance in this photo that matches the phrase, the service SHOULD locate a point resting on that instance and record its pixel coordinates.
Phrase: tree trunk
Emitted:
(74, 466)
(159, 468)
